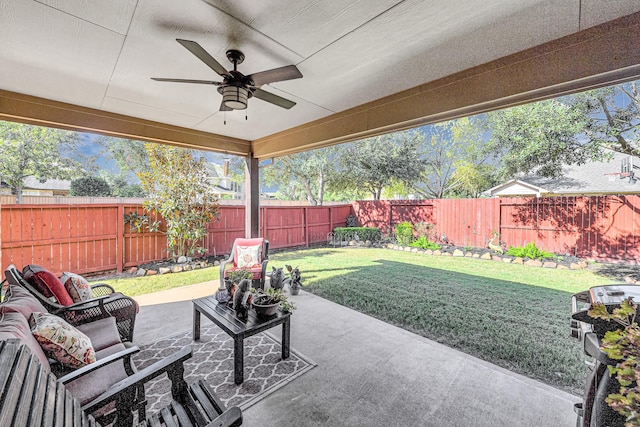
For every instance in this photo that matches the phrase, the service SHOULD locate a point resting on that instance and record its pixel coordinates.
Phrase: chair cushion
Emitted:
(103, 333)
(61, 341)
(76, 286)
(248, 256)
(46, 283)
(20, 300)
(15, 325)
(90, 386)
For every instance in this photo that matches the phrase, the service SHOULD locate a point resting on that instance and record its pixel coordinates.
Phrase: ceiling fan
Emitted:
(236, 88)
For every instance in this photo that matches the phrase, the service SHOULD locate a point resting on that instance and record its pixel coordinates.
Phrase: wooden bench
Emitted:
(32, 396)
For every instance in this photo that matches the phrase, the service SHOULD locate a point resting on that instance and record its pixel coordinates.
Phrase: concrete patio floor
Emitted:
(371, 373)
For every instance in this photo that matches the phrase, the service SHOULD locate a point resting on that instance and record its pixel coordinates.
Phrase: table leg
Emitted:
(286, 338)
(238, 359)
(196, 324)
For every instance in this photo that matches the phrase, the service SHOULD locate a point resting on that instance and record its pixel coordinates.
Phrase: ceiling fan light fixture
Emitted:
(235, 97)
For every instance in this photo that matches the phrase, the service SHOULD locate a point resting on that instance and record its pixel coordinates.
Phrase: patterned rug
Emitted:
(264, 370)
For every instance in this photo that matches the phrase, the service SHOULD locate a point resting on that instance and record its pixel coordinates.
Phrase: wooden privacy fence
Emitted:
(94, 238)
(602, 228)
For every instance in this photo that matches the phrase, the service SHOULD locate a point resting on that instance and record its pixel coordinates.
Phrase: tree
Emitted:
(130, 155)
(541, 138)
(456, 163)
(308, 173)
(122, 185)
(375, 163)
(90, 186)
(27, 150)
(179, 190)
(614, 117)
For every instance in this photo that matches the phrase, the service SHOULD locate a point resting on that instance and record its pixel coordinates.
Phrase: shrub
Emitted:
(363, 233)
(529, 251)
(404, 233)
(90, 186)
(423, 243)
(426, 229)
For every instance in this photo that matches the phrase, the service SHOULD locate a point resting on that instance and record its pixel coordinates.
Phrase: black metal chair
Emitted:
(106, 302)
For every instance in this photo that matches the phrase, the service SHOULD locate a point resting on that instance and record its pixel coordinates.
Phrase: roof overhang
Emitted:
(601, 55)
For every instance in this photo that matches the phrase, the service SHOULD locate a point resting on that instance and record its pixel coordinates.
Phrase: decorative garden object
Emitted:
(277, 278)
(233, 279)
(242, 298)
(294, 280)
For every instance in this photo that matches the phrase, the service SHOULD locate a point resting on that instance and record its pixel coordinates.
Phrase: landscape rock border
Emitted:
(486, 254)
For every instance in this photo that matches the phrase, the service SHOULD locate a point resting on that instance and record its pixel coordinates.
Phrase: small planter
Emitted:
(264, 310)
(294, 290)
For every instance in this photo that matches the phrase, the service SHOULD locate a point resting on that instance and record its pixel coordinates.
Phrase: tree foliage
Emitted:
(614, 117)
(90, 186)
(541, 138)
(377, 162)
(27, 150)
(305, 174)
(178, 189)
(456, 162)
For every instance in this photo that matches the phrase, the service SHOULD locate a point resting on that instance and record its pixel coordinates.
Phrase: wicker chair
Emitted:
(259, 271)
(106, 302)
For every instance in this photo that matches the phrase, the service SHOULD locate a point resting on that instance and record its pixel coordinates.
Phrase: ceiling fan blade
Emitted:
(204, 56)
(274, 99)
(202, 82)
(288, 72)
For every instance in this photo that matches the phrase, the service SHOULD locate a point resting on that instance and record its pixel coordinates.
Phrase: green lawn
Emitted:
(514, 316)
(134, 286)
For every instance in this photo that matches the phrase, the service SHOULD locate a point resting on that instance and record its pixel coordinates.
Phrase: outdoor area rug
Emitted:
(212, 361)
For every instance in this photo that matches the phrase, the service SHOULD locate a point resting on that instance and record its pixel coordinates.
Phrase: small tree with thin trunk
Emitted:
(178, 189)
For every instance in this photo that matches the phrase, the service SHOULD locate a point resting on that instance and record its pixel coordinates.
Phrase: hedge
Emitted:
(363, 233)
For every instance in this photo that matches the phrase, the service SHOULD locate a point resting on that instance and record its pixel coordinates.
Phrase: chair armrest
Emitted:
(222, 267)
(85, 304)
(171, 365)
(78, 373)
(232, 417)
(100, 289)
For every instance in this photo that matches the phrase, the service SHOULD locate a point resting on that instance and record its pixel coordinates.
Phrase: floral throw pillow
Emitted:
(248, 256)
(61, 341)
(77, 286)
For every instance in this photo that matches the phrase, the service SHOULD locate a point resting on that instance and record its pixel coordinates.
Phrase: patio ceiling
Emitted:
(369, 66)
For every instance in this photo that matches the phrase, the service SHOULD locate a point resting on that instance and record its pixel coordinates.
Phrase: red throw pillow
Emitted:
(47, 283)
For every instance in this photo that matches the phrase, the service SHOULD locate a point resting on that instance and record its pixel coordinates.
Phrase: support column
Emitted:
(252, 197)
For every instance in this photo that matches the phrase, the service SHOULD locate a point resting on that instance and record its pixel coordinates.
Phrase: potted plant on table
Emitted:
(267, 303)
(234, 277)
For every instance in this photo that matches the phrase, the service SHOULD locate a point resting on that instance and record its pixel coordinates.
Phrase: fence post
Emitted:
(305, 227)
(330, 219)
(120, 238)
(265, 226)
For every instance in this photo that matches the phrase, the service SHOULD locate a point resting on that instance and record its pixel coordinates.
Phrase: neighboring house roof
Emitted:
(589, 178)
(33, 183)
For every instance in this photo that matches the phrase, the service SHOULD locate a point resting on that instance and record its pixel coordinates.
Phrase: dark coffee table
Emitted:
(239, 329)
